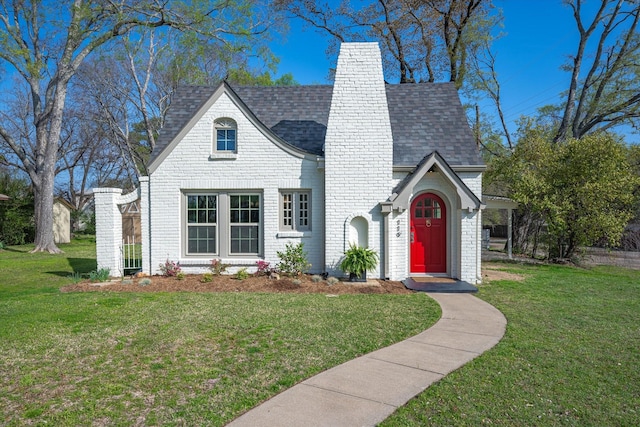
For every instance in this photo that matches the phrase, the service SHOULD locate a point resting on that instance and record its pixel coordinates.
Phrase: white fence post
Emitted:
(108, 229)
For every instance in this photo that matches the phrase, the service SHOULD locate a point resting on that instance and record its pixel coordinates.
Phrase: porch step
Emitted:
(445, 285)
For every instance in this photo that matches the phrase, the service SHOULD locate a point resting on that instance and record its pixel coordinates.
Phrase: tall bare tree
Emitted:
(45, 42)
(604, 89)
(90, 159)
(421, 40)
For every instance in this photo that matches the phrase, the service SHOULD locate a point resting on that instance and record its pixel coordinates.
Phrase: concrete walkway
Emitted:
(366, 390)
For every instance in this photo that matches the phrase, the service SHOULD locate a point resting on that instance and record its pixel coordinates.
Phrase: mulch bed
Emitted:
(228, 283)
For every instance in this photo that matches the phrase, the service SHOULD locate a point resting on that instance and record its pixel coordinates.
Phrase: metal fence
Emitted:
(131, 255)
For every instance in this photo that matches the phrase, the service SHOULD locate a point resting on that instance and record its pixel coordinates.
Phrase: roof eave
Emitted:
(457, 168)
(402, 193)
(281, 143)
(222, 88)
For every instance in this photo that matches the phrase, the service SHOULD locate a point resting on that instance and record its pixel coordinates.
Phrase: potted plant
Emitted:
(357, 260)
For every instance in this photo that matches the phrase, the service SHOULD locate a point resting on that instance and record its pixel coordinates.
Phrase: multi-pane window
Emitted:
(226, 135)
(303, 211)
(428, 208)
(223, 224)
(287, 210)
(244, 220)
(295, 210)
(202, 223)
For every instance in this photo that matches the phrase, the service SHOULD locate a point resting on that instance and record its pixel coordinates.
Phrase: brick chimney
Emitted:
(358, 154)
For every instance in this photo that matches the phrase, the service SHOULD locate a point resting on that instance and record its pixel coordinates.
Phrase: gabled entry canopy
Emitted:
(402, 193)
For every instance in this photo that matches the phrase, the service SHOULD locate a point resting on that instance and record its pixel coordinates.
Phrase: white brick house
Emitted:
(240, 171)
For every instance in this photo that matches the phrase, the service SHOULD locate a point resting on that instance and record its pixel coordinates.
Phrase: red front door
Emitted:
(428, 235)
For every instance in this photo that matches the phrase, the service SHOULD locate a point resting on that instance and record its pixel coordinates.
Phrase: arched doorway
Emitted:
(428, 234)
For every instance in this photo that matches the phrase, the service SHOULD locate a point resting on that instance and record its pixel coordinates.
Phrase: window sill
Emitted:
(250, 260)
(294, 234)
(223, 156)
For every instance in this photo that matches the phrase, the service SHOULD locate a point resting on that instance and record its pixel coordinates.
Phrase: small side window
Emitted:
(295, 210)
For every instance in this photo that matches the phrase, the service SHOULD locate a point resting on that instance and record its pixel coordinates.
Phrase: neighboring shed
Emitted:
(62, 220)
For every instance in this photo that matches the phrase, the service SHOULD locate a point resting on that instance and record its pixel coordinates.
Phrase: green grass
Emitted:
(71, 359)
(570, 356)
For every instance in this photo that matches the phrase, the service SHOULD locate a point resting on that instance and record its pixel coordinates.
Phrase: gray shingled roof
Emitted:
(425, 117)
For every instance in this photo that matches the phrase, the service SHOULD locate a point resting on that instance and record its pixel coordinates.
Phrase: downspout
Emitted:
(150, 251)
(145, 181)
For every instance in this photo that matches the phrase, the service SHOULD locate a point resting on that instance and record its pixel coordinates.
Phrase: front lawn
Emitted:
(111, 358)
(570, 356)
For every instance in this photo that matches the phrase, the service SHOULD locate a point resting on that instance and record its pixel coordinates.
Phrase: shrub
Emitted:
(293, 261)
(170, 268)
(127, 282)
(17, 225)
(101, 275)
(144, 282)
(316, 279)
(263, 268)
(217, 267)
(296, 282)
(332, 280)
(207, 277)
(242, 274)
(75, 277)
(180, 275)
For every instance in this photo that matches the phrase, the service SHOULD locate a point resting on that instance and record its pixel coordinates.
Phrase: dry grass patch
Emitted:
(492, 272)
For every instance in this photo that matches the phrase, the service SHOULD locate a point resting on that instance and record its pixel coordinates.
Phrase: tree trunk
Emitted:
(48, 130)
(43, 197)
(522, 220)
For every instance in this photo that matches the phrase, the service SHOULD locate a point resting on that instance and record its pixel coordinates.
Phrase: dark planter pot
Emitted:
(354, 278)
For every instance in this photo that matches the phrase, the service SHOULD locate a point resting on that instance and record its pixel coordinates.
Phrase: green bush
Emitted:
(101, 275)
(17, 225)
(242, 274)
(293, 261)
(75, 277)
(83, 222)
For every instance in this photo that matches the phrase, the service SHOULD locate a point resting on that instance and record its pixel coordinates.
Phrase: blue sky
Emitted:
(538, 38)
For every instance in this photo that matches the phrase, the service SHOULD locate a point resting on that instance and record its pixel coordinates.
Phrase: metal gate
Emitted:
(131, 256)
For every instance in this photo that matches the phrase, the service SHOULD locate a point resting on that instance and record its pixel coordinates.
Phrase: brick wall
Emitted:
(259, 166)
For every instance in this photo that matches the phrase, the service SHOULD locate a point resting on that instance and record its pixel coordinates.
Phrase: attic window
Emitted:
(226, 135)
